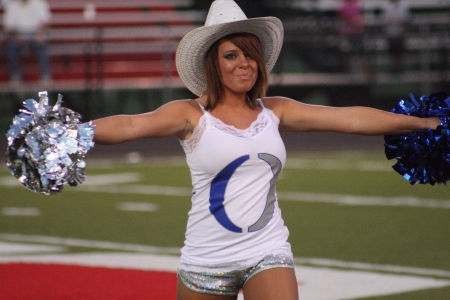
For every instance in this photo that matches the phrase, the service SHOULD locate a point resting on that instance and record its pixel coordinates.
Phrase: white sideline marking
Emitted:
(90, 180)
(111, 179)
(333, 164)
(109, 163)
(168, 250)
(364, 200)
(291, 163)
(314, 283)
(9, 181)
(329, 284)
(95, 184)
(87, 243)
(141, 189)
(133, 206)
(371, 267)
(21, 211)
(292, 196)
(14, 248)
(135, 261)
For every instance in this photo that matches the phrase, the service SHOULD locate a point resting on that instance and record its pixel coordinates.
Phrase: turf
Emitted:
(387, 235)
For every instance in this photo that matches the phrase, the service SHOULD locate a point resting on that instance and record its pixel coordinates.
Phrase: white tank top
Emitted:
(235, 214)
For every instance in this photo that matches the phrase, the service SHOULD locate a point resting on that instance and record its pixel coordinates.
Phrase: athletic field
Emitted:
(358, 231)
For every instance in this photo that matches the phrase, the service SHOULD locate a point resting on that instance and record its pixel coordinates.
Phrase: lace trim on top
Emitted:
(256, 127)
(190, 144)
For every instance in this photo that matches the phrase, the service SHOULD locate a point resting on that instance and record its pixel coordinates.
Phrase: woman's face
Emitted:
(238, 71)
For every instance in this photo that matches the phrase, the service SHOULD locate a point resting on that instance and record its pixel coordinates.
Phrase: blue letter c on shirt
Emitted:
(219, 185)
(217, 194)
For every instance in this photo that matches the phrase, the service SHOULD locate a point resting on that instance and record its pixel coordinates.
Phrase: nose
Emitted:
(244, 61)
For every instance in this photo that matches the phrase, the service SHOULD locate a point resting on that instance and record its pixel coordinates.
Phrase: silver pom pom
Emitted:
(46, 146)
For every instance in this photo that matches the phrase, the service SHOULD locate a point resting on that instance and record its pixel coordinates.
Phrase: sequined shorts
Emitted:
(229, 283)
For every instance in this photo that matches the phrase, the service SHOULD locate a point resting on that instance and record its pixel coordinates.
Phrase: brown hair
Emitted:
(251, 47)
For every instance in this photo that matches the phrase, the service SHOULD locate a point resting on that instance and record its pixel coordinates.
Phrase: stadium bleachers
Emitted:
(368, 4)
(121, 54)
(312, 38)
(106, 44)
(131, 43)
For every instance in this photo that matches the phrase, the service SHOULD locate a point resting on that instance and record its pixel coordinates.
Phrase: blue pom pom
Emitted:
(422, 156)
(46, 146)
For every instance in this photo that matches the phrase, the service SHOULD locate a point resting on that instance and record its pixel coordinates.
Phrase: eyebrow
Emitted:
(231, 51)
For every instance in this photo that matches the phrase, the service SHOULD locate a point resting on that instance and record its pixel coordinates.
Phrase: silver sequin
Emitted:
(46, 146)
(230, 282)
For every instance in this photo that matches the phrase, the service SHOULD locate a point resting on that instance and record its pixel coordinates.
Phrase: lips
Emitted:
(245, 76)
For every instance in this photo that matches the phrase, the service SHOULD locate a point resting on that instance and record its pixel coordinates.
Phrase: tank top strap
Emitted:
(260, 103)
(201, 106)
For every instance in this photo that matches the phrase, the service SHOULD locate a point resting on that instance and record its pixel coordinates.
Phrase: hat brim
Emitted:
(193, 47)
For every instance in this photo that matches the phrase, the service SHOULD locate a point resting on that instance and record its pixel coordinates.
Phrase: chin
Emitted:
(246, 88)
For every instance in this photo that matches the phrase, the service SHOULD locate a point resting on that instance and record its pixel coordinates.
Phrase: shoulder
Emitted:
(183, 103)
(279, 105)
(187, 110)
(276, 102)
(185, 107)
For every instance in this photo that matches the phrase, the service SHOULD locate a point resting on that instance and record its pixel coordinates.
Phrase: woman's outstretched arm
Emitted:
(297, 116)
(174, 118)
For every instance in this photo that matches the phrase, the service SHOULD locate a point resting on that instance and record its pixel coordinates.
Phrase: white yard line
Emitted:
(96, 180)
(108, 183)
(70, 242)
(364, 200)
(140, 190)
(291, 163)
(21, 211)
(133, 206)
(332, 284)
(7, 248)
(320, 262)
(335, 164)
(291, 196)
(314, 283)
(135, 261)
(107, 179)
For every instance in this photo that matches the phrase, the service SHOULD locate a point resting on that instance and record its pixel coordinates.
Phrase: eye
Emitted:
(230, 56)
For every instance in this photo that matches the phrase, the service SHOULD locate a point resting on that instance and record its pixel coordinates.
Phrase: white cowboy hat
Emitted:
(225, 17)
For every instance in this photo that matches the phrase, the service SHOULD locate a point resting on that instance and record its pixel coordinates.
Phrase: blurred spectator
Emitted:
(252, 8)
(352, 29)
(396, 17)
(25, 23)
(3, 2)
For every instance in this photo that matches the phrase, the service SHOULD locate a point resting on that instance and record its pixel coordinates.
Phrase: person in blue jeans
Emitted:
(25, 23)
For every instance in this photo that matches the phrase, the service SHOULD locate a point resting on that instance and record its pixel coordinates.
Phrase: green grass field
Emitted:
(363, 212)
